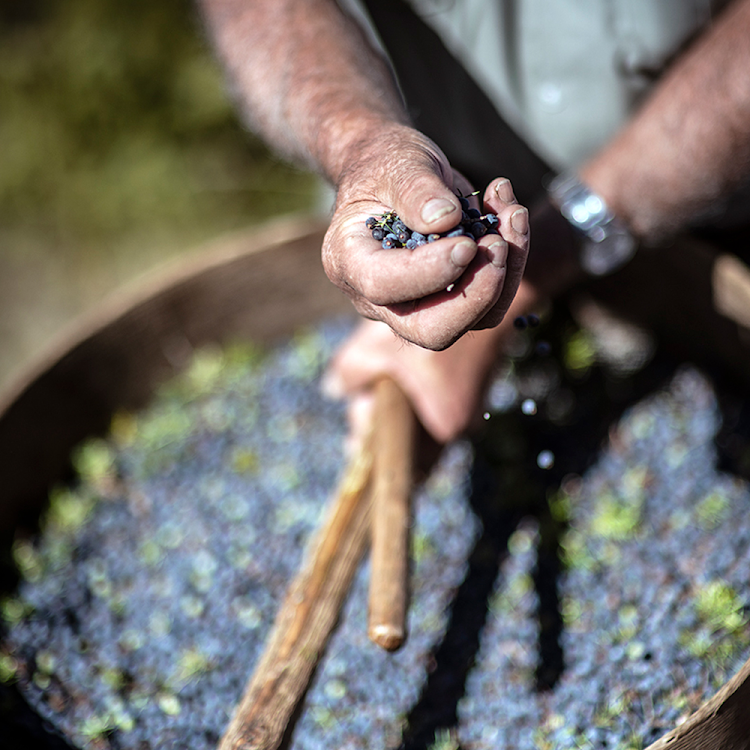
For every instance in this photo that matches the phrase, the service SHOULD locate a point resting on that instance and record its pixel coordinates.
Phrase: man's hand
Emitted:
(446, 388)
(400, 169)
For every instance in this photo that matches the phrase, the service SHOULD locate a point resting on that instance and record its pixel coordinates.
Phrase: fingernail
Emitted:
(504, 191)
(498, 252)
(436, 209)
(520, 221)
(463, 253)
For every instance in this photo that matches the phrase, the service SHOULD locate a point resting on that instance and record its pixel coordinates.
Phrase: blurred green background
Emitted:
(119, 149)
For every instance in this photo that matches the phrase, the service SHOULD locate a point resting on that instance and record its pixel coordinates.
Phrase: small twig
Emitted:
(307, 616)
(393, 447)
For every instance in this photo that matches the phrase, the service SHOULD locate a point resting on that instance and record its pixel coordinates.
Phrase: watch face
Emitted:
(603, 257)
(607, 245)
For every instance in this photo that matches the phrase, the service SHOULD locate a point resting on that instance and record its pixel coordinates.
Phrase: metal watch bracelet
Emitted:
(606, 243)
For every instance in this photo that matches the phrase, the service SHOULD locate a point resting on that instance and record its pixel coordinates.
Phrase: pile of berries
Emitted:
(391, 231)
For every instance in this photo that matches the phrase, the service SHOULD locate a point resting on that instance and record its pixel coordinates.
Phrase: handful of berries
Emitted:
(391, 231)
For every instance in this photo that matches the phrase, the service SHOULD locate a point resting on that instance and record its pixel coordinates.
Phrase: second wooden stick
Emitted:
(393, 473)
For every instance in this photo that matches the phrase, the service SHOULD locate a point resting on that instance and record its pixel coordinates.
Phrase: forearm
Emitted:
(305, 76)
(690, 143)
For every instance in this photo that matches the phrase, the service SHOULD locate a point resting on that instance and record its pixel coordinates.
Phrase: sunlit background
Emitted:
(119, 150)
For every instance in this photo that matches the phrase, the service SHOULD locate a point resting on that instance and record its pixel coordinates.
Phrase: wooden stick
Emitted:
(307, 616)
(393, 447)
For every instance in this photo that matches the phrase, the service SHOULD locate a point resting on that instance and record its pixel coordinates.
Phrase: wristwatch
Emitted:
(606, 243)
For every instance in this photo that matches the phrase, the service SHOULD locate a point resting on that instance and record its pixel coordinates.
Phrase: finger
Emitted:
(438, 320)
(366, 354)
(496, 249)
(424, 195)
(499, 191)
(514, 228)
(515, 264)
(514, 218)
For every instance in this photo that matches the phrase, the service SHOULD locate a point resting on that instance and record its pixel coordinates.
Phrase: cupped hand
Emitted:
(402, 170)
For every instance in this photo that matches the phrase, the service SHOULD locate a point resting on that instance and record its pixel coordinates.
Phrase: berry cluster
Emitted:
(391, 232)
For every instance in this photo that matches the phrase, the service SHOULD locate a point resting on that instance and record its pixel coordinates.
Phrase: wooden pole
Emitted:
(393, 476)
(307, 616)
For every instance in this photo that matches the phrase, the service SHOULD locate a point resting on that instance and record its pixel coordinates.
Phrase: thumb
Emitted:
(424, 195)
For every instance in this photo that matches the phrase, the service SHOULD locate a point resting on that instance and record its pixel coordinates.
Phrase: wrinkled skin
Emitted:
(407, 289)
